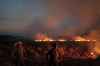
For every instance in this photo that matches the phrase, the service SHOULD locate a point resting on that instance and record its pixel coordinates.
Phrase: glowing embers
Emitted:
(61, 40)
(85, 40)
(44, 40)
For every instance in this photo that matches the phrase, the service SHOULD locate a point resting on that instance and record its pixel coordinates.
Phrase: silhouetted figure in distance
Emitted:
(52, 55)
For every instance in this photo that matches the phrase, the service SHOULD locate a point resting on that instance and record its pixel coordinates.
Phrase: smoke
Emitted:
(71, 17)
(53, 17)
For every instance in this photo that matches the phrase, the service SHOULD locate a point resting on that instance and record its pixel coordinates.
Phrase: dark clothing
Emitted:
(51, 57)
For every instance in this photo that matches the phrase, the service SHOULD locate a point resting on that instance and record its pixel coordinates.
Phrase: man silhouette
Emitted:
(52, 55)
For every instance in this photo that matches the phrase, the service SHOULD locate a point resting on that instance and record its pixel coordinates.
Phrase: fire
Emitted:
(42, 37)
(78, 38)
(95, 35)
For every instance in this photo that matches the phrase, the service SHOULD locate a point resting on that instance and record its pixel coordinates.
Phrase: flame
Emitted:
(78, 38)
(95, 35)
(42, 37)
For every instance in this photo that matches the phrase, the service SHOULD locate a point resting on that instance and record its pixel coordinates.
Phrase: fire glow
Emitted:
(62, 40)
(41, 37)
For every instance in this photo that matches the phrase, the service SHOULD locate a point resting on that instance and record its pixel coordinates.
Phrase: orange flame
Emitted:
(42, 37)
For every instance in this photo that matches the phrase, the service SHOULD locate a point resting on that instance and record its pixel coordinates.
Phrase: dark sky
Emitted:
(16, 15)
(53, 16)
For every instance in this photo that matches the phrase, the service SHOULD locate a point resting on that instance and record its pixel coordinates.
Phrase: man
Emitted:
(19, 53)
(51, 55)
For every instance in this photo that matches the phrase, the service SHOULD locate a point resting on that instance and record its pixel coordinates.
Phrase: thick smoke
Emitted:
(69, 17)
(65, 18)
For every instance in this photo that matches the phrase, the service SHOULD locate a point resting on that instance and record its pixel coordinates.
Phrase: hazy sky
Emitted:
(16, 15)
(52, 16)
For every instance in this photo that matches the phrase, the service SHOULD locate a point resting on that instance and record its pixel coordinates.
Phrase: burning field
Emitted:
(52, 32)
(75, 41)
(19, 51)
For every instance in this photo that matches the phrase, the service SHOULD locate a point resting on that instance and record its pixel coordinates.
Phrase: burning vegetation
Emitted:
(73, 47)
(50, 51)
